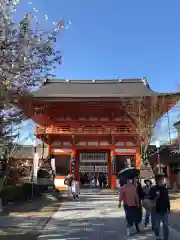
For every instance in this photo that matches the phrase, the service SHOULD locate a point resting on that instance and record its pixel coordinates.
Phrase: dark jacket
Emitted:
(146, 190)
(161, 196)
(140, 192)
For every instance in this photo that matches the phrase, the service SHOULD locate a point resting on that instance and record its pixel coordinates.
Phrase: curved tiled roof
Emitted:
(176, 124)
(95, 88)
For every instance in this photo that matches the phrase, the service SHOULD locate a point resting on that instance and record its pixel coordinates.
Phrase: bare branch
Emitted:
(28, 54)
(145, 112)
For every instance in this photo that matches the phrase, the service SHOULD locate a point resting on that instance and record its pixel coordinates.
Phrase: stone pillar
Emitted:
(138, 158)
(113, 170)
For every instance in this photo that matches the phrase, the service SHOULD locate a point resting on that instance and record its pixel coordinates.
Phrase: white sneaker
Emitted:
(146, 227)
(128, 232)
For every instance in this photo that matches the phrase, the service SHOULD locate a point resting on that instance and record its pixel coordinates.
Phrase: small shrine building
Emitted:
(88, 124)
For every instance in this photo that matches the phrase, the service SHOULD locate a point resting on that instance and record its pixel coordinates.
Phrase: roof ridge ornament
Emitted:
(93, 80)
(44, 80)
(144, 80)
(67, 80)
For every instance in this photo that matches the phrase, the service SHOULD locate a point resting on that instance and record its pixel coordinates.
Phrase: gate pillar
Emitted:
(113, 169)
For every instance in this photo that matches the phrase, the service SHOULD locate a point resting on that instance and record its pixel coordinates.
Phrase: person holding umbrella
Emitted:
(128, 195)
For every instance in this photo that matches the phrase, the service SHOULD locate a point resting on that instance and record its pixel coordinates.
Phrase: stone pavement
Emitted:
(29, 215)
(174, 217)
(24, 221)
(94, 216)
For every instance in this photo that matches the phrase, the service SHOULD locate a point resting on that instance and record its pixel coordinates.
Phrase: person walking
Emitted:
(95, 180)
(148, 215)
(104, 181)
(160, 196)
(68, 181)
(100, 179)
(141, 196)
(75, 189)
(128, 195)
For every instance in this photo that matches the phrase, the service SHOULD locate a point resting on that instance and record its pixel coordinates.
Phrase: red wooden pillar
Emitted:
(113, 169)
(138, 158)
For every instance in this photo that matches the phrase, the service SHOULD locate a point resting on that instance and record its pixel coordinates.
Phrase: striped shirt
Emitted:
(128, 195)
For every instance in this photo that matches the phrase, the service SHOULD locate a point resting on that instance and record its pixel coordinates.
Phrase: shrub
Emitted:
(30, 190)
(11, 194)
(20, 192)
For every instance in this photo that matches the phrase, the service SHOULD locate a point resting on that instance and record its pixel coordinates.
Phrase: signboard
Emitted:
(93, 143)
(123, 150)
(94, 157)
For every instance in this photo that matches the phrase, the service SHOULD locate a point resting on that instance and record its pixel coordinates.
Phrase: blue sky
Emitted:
(117, 39)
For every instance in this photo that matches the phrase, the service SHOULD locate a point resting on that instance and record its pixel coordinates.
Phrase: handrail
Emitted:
(84, 130)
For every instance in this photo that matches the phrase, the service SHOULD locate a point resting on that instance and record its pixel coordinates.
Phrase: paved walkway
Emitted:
(25, 221)
(95, 216)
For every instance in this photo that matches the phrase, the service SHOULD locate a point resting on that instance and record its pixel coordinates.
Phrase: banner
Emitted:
(35, 167)
(53, 166)
(73, 160)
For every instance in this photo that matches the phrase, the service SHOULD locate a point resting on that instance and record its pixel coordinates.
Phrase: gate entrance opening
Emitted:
(92, 167)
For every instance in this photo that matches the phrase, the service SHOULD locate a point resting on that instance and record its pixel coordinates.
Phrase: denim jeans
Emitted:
(164, 219)
(148, 215)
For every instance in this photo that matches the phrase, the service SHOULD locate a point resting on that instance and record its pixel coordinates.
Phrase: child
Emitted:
(68, 181)
(75, 189)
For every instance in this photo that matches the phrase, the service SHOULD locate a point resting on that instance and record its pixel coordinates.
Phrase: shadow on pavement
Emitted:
(20, 236)
(34, 206)
(89, 228)
(73, 229)
(174, 219)
(95, 218)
